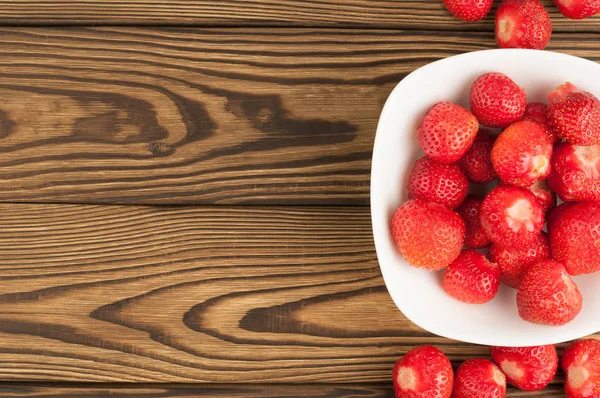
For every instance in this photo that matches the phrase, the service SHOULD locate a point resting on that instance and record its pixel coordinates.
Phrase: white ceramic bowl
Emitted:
(418, 293)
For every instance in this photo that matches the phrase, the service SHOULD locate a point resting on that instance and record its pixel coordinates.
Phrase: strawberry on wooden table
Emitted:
(574, 115)
(479, 378)
(581, 363)
(471, 278)
(477, 161)
(469, 210)
(447, 131)
(547, 295)
(522, 24)
(521, 154)
(496, 100)
(578, 9)
(468, 10)
(514, 261)
(427, 234)
(538, 112)
(527, 368)
(574, 236)
(575, 172)
(437, 182)
(424, 372)
(511, 216)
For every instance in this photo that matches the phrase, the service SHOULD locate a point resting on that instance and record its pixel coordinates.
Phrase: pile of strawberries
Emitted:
(521, 23)
(542, 151)
(425, 372)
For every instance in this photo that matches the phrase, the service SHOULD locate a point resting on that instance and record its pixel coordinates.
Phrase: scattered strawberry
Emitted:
(574, 115)
(575, 174)
(469, 210)
(447, 132)
(511, 216)
(527, 368)
(574, 235)
(521, 154)
(544, 195)
(581, 363)
(437, 182)
(428, 235)
(424, 372)
(469, 10)
(513, 261)
(522, 24)
(471, 278)
(547, 295)
(578, 9)
(479, 378)
(538, 113)
(496, 100)
(477, 161)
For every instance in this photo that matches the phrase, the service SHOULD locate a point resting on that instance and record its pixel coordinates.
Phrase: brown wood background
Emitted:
(184, 193)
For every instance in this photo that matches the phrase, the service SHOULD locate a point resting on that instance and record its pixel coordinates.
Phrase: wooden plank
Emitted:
(205, 116)
(398, 14)
(228, 390)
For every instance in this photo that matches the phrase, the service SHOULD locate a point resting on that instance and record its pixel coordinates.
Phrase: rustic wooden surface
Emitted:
(258, 117)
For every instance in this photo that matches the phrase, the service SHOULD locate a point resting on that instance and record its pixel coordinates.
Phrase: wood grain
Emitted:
(354, 390)
(398, 14)
(205, 116)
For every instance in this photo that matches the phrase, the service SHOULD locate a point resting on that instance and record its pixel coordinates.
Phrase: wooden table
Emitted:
(184, 193)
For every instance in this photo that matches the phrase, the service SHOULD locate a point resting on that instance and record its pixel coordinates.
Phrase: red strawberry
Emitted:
(527, 368)
(479, 378)
(471, 278)
(477, 161)
(447, 132)
(522, 24)
(468, 10)
(574, 235)
(581, 362)
(521, 154)
(469, 210)
(496, 100)
(511, 216)
(574, 115)
(575, 174)
(547, 295)
(424, 372)
(538, 113)
(428, 235)
(544, 195)
(513, 262)
(578, 9)
(437, 182)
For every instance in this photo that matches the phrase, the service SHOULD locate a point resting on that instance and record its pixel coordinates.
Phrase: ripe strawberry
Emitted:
(581, 363)
(544, 195)
(496, 100)
(578, 9)
(522, 24)
(447, 132)
(424, 372)
(469, 210)
(538, 113)
(527, 368)
(547, 295)
(468, 10)
(437, 182)
(428, 235)
(479, 378)
(521, 154)
(574, 115)
(511, 216)
(513, 262)
(575, 174)
(471, 278)
(477, 161)
(574, 234)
